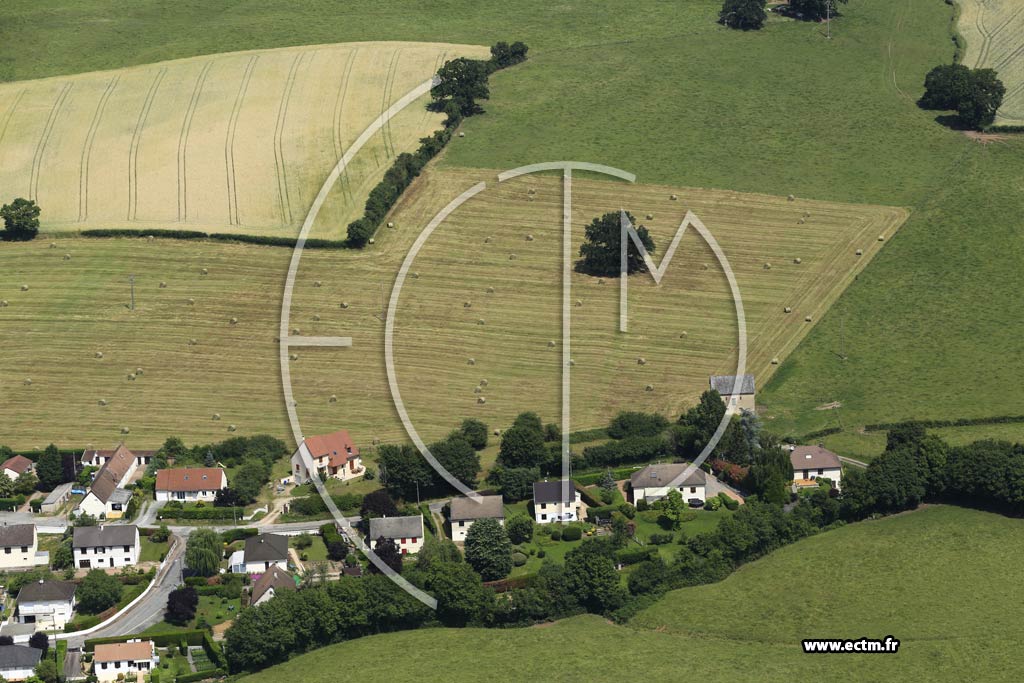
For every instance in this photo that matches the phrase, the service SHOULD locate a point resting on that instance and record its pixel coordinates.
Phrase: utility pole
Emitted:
(131, 281)
(828, 19)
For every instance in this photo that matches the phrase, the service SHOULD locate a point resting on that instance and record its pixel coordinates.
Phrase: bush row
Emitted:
(265, 240)
(11, 504)
(168, 639)
(594, 477)
(935, 424)
(629, 450)
(232, 535)
(203, 513)
(586, 435)
(311, 506)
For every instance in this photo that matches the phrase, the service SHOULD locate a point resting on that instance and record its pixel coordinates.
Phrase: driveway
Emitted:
(73, 665)
(716, 486)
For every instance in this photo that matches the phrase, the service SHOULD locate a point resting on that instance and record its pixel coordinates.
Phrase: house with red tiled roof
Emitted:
(331, 455)
(16, 466)
(190, 483)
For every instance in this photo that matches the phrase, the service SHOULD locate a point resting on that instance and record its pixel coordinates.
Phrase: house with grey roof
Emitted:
(260, 553)
(18, 662)
(556, 501)
(19, 547)
(811, 463)
(47, 604)
(106, 546)
(655, 481)
(466, 510)
(406, 532)
(742, 399)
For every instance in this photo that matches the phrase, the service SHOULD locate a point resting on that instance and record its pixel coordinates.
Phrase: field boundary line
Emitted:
(90, 138)
(282, 115)
(133, 151)
(186, 128)
(37, 158)
(229, 140)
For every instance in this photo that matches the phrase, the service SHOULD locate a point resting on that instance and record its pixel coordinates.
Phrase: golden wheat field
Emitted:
(684, 329)
(994, 31)
(235, 142)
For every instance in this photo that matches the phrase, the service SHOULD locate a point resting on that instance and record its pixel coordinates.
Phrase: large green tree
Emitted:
(488, 549)
(462, 600)
(978, 105)
(600, 252)
(519, 528)
(944, 86)
(21, 220)
(743, 14)
(203, 551)
(98, 591)
(816, 10)
(591, 577)
(461, 82)
(475, 433)
(522, 446)
(50, 468)
(181, 605)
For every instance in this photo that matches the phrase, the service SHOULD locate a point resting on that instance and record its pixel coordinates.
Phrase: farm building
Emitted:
(18, 662)
(47, 604)
(105, 546)
(107, 497)
(19, 547)
(273, 580)
(406, 532)
(655, 481)
(16, 466)
(334, 455)
(553, 503)
(465, 511)
(814, 462)
(114, 661)
(742, 400)
(190, 484)
(260, 554)
(56, 498)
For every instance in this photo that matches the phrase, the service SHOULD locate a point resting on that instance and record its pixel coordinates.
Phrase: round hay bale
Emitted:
(375, 441)
(478, 389)
(775, 361)
(102, 402)
(293, 356)
(704, 266)
(788, 309)
(99, 354)
(881, 238)
(767, 266)
(529, 238)
(125, 430)
(650, 216)
(234, 321)
(683, 335)
(24, 288)
(318, 283)
(232, 428)
(27, 382)
(497, 432)
(797, 261)
(150, 238)
(511, 257)
(490, 290)
(572, 363)
(600, 280)
(480, 321)
(345, 304)
(296, 331)
(483, 382)
(800, 222)
(191, 302)
(551, 344)
(416, 276)
(131, 376)
(391, 224)
(216, 416)
(67, 257)
(649, 387)
(531, 191)
(859, 252)
(163, 285)
(673, 197)
(807, 319)
(467, 304)
(316, 318)
(579, 302)
(333, 398)
(373, 241)
(471, 361)
(641, 361)
(193, 342)
(481, 399)
(791, 198)
(138, 371)
(462, 134)
(487, 240)
(53, 245)
(807, 214)
(4, 303)
(204, 271)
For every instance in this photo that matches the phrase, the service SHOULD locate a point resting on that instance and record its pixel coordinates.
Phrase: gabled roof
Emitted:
(190, 479)
(121, 652)
(105, 536)
(18, 463)
(723, 384)
(266, 548)
(12, 535)
(489, 507)
(46, 591)
(109, 476)
(336, 446)
(275, 578)
(813, 458)
(19, 657)
(660, 476)
(396, 527)
(551, 492)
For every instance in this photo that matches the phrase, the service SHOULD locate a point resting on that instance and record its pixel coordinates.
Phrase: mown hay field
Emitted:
(684, 329)
(237, 142)
(994, 31)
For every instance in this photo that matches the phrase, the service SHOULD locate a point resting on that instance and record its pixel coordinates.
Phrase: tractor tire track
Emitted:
(279, 165)
(344, 182)
(229, 141)
(389, 83)
(90, 138)
(133, 151)
(37, 158)
(10, 114)
(986, 37)
(186, 126)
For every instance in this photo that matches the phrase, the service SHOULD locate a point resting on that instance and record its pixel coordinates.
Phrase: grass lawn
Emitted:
(152, 552)
(84, 621)
(314, 553)
(216, 610)
(866, 446)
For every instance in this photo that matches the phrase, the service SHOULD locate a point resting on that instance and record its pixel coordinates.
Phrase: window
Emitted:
(104, 665)
(462, 524)
(180, 495)
(127, 549)
(693, 489)
(100, 549)
(7, 551)
(543, 518)
(543, 506)
(820, 472)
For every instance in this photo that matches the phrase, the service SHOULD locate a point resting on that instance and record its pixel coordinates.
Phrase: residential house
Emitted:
(406, 532)
(105, 546)
(190, 484)
(107, 497)
(555, 502)
(655, 481)
(120, 660)
(742, 400)
(814, 462)
(465, 511)
(19, 547)
(16, 466)
(260, 554)
(18, 662)
(334, 455)
(97, 458)
(267, 586)
(47, 604)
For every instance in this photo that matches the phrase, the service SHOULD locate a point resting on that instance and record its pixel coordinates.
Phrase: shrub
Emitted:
(661, 539)
(573, 532)
(518, 559)
(556, 533)
(713, 503)
(631, 423)
(627, 509)
(642, 505)
(541, 554)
